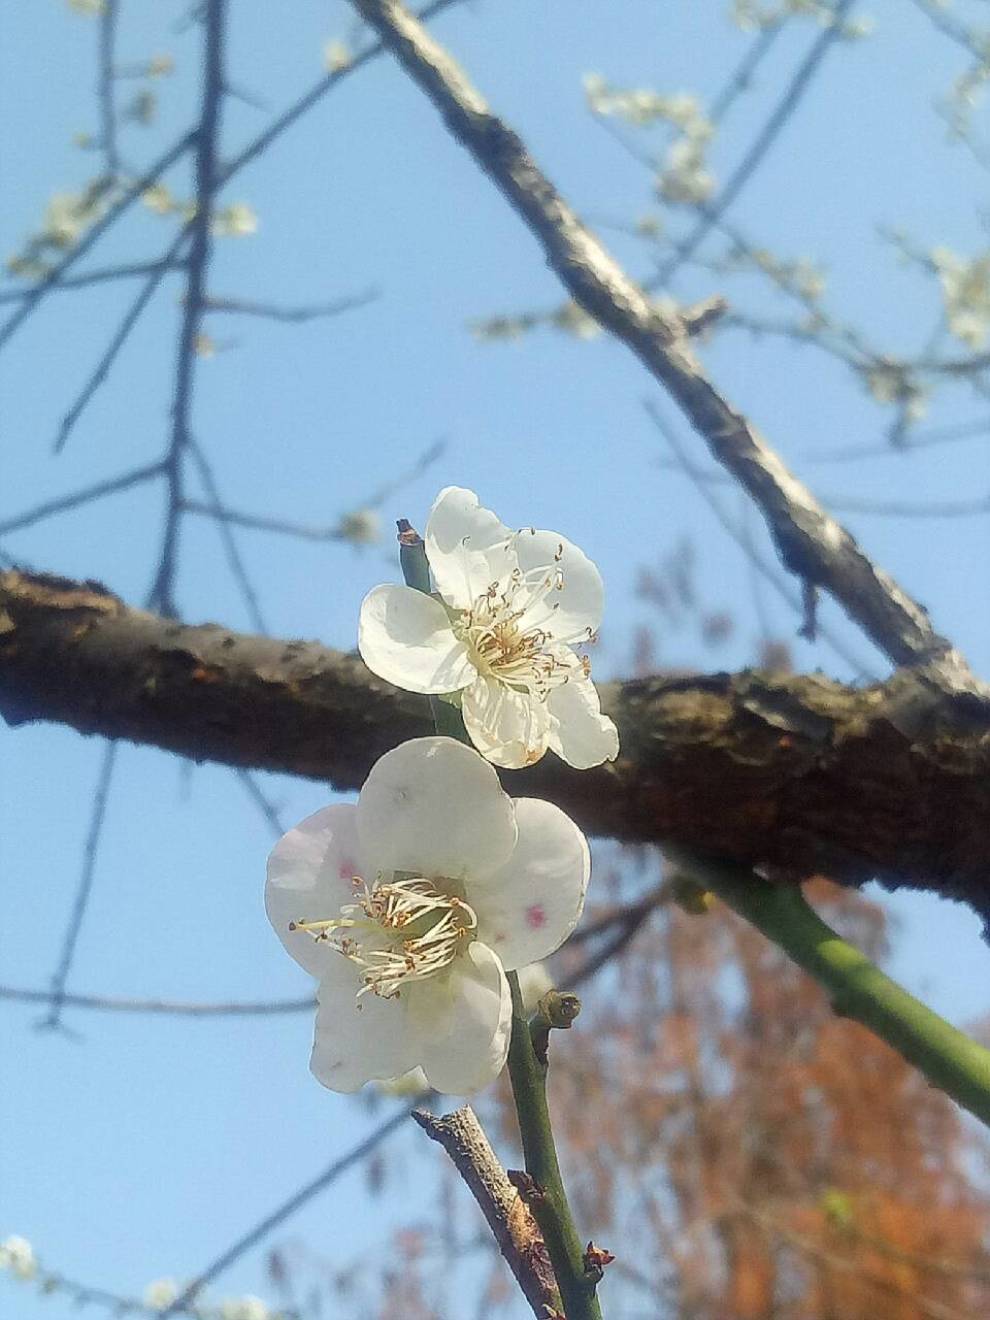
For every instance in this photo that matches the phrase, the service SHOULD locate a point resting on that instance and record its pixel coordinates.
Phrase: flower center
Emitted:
(406, 929)
(503, 645)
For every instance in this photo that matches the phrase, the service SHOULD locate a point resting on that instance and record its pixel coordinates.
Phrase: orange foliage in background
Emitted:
(747, 1154)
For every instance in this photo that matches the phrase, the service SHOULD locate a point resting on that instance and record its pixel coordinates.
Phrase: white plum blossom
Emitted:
(411, 905)
(499, 632)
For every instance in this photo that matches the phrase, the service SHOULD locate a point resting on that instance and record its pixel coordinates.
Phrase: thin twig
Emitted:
(237, 567)
(208, 181)
(104, 87)
(316, 93)
(62, 503)
(160, 1007)
(337, 531)
(99, 276)
(34, 295)
(54, 1015)
(750, 163)
(766, 568)
(261, 800)
(291, 315)
(155, 274)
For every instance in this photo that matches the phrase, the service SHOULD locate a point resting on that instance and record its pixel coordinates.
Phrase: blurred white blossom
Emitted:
(336, 56)
(235, 221)
(966, 294)
(160, 1293)
(17, 1257)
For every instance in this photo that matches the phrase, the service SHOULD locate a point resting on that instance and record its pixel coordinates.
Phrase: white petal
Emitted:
(405, 637)
(510, 728)
(529, 907)
(579, 733)
(468, 547)
(359, 1040)
(433, 805)
(309, 879)
(573, 612)
(463, 1021)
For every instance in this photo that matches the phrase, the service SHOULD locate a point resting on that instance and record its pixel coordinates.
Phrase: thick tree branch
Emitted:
(796, 774)
(810, 542)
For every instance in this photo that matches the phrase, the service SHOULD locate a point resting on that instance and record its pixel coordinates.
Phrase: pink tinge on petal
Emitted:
(346, 869)
(536, 916)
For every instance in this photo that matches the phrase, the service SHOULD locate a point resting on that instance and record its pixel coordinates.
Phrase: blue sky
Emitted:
(143, 1147)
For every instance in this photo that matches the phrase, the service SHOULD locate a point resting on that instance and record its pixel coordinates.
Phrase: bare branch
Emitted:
(799, 774)
(506, 1213)
(811, 543)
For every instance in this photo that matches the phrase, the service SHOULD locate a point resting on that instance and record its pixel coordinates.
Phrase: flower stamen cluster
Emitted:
(425, 929)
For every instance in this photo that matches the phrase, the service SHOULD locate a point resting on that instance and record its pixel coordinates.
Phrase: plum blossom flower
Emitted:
(411, 905)
(499, 633)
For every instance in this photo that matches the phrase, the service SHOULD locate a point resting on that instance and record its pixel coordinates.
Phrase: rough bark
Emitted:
(797, 774)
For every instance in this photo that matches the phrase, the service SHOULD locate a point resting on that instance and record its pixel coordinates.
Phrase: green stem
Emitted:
(858, 989)
(547, 1198)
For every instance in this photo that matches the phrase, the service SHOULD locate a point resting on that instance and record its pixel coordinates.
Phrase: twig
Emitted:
(54, 1015)
(62, 503)
(207, 183)
(288, 1208)
(155, 274)
(261, 801)
(507, 1215)
(164, 1007)
(291, 315)
(750, 163)
(337, 531)
(858, 989)
(742, 77)
(811, 543)
(54, 277)
(316, 93)
(99, 276)
(744, 540)
(104, 88)
(237, 566)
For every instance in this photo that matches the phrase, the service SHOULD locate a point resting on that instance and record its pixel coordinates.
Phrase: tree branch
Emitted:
(811, 543)
(798, 774)
(506, 1213)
